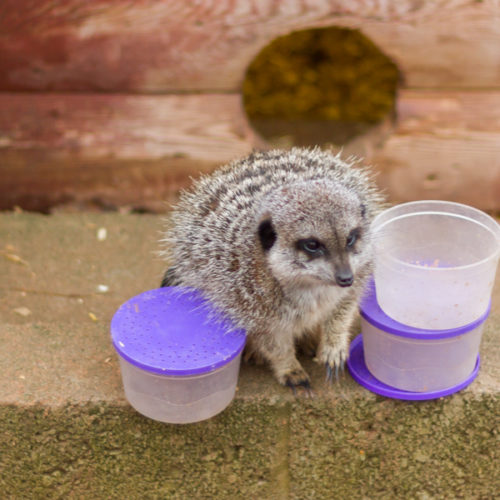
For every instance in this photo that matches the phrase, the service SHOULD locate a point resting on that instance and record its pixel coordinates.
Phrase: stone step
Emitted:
(68, 432)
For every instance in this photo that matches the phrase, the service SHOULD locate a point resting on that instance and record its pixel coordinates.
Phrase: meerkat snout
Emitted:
(344, 277)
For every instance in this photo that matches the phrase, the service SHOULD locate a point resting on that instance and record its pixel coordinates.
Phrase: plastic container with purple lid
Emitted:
(404, 362)
(435, 263)
(179, 358)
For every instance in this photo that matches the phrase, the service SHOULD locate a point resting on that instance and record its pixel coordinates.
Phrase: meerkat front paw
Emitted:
(294, 378)
(334, 359)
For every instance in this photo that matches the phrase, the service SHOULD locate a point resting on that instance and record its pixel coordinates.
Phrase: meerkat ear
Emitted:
(363, 210)
(267, 234)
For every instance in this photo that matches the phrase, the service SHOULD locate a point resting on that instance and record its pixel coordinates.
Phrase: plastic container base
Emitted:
(361, 374)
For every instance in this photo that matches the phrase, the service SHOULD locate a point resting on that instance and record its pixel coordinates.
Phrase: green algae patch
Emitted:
(447, 448)
(327, 84)
(100, 451)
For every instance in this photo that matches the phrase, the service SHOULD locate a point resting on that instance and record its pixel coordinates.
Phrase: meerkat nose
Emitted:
(344, 277)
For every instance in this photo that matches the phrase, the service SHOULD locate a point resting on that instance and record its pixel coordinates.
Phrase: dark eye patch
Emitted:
(267, 234)
(352, 238)
(312, 247)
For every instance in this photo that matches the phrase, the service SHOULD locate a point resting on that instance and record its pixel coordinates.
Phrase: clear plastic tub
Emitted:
(417, 360)
(360, 373)
(179, 358)
(176, 399)
(435, 263)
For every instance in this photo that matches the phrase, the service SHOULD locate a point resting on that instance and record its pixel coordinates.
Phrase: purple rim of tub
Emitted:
(174, 331)
(361, 374)
(371, 311)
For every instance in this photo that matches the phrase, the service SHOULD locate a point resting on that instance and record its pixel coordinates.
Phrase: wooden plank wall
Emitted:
(113, 102)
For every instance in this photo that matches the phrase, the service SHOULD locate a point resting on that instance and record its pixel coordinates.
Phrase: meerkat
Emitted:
(280, 242)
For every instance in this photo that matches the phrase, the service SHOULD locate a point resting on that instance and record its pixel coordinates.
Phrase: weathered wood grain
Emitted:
(446, 145)
(47, 181)
(170, 46)
(139, 150)
(199, 127)
(108, 151)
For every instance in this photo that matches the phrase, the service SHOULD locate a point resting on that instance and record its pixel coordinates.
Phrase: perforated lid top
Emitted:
(174, 331)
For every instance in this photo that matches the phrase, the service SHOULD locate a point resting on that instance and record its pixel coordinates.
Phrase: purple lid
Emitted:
(174, 331)
(361, 374)
(371, 311)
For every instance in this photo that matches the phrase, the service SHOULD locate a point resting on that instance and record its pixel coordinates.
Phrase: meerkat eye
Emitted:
(352, 238)
(311, 246)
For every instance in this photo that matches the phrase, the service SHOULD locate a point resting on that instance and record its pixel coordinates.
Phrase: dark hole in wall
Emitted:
(319, 86)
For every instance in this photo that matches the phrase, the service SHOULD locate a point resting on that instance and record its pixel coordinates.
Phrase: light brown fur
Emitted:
(245, 236)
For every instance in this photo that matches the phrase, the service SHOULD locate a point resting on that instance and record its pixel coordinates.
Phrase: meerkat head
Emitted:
(314, 233)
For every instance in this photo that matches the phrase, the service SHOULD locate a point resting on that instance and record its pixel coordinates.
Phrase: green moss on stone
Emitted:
(440, 449)
(376, 448)
(100, 451)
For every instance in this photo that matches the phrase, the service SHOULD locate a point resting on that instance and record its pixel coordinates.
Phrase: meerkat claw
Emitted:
(307, 389)
(305, 384)
(338, 369)
(329, 373)
(292, 386)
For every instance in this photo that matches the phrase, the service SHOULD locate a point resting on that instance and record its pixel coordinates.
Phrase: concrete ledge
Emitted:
(301, 450)
(68, 431)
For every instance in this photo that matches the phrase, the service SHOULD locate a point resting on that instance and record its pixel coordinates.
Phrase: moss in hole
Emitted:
(333, 77)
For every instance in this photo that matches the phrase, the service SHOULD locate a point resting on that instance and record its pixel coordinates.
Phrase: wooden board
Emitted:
(139, 150)
(48, 181)
(199, 127)
(157, 46)
(445, 146)
(107, 151)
